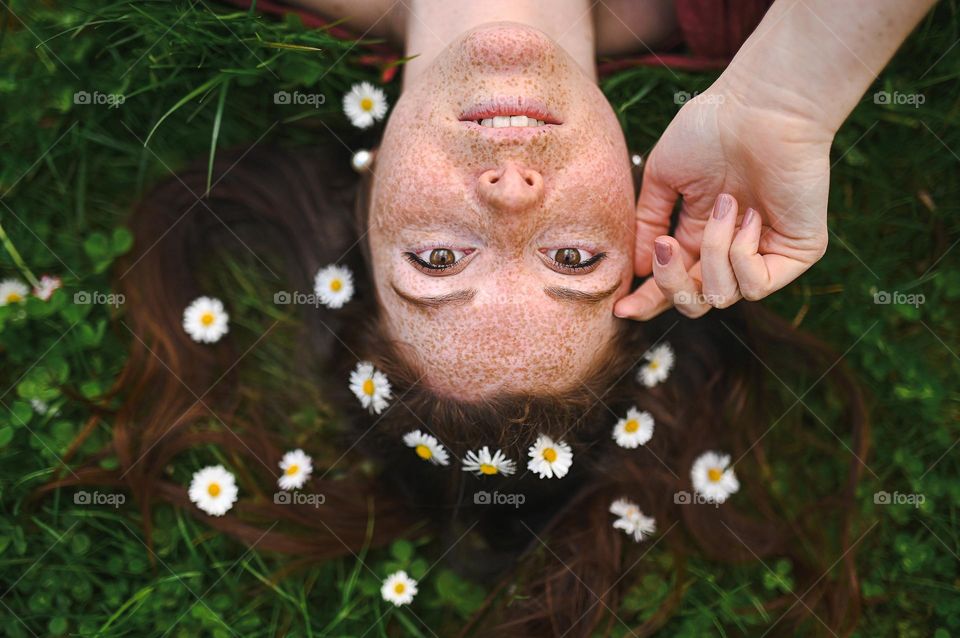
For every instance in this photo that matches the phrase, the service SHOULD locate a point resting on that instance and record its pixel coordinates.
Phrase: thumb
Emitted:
(654, 209)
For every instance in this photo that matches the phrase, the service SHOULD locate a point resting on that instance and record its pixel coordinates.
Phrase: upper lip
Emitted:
(509, 105)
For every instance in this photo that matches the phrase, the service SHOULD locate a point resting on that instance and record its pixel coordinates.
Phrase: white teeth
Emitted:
(515, 121)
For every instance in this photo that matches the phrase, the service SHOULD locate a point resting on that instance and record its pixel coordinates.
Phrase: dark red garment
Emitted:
(710, 32)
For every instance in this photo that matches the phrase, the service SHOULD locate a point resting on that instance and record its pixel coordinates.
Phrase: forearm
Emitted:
(816, 58)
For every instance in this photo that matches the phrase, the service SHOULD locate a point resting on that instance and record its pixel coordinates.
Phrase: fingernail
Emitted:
(747, 217)
(722, 206)
(663, 251)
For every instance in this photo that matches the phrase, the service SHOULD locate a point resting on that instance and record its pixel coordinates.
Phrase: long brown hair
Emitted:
(556, 564)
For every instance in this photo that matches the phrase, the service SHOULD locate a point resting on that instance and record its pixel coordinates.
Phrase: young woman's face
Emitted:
(498, 251)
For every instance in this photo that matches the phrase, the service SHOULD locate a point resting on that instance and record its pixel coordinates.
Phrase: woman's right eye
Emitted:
(438, 260)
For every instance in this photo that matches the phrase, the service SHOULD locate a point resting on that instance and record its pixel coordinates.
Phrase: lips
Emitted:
(510, 112)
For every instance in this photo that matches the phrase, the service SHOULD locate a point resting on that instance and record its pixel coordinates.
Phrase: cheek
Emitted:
(409, 188)
(600, 187)
(604, 175)
(411, 172)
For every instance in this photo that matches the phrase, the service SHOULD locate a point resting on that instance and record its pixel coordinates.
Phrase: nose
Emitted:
(511, 188)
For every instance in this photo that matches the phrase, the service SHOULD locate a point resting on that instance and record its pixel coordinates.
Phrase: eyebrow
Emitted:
(578, 296)
(461, 297)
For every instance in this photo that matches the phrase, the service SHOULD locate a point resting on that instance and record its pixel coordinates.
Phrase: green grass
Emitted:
(200, 77)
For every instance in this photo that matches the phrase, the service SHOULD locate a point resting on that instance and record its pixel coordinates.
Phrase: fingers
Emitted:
(674, 285)
(654, 208)
(675, 282)
(759, 275)
(643, 304)
(731, 266)
(720, 286)
(746, 261)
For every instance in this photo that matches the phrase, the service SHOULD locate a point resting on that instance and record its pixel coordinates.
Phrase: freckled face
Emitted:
(498, 252)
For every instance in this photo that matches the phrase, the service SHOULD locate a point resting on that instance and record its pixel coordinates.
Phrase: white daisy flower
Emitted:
(634, 430)
(371, 387)
(334, 286)
(659, 362)
(712, 478)
(12, 291)
(297, 466)
(631, 520)
(48, 285)
(214, 490)
(483, 463)
(427, 447)
(549, 458)
(364, 104)
(205, 320)
(399, 588)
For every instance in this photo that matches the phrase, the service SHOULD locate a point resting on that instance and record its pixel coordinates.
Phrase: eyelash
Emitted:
(416, 261)
(429, 269)
(437, 271)
(582, 265)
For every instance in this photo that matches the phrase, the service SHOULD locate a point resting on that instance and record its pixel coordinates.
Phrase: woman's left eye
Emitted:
(569, 258)
(440, 257)
(437, 261)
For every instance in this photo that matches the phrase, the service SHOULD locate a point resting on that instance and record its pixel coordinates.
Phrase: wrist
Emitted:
(814, 59)
(763, 83)
(747, 101)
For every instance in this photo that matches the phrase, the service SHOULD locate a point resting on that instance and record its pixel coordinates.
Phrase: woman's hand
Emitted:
(762, 134)
(724, 157)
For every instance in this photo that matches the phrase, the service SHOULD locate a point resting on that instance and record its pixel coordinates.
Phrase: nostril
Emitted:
(529, 181)
(494, 180)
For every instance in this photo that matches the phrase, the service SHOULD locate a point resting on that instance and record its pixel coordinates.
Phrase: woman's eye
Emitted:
(568, 256)
(572, 260)
(440, 257)
(437, 260)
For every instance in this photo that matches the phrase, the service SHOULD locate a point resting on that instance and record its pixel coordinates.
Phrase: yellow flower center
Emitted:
(368, 387)
(423, 452)
(714, 474)
(293, 469)
(213, 489)
(486, 468)
(206, 318)
(14, 297)
(399, 588)
(366, 104)
(549, 455)
(336, 285)
(654, 364)
(631, 426)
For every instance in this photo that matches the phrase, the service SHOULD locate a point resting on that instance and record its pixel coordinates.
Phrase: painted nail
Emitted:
(663, 251)
(747, 218)
(722, 206)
